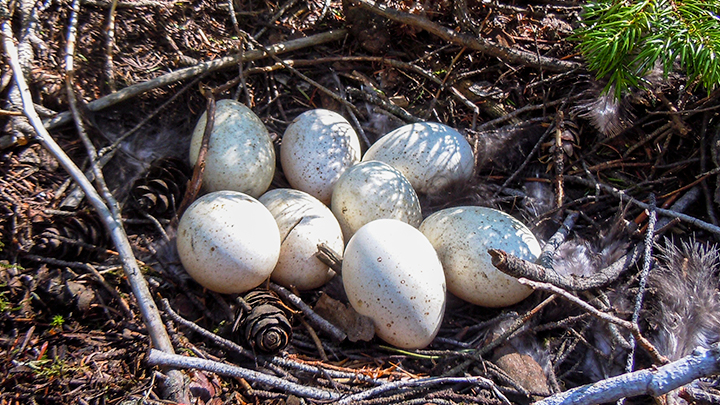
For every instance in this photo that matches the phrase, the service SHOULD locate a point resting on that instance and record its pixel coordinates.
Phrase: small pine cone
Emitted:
(79, 237)
(161, 190)
(266, 326)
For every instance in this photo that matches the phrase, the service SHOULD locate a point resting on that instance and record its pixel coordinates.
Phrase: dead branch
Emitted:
(655, 382)
(159, 358)
(204, 67)
(510, 55)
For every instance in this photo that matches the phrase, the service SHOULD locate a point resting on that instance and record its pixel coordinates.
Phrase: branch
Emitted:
(204, 67)
(511, 55)
(655, 382)
(158, 358)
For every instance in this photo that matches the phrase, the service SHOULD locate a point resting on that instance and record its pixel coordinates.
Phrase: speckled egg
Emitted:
(317, 147)
(431, 155)
(392, 275)
(228, 242)
(240, 155)
(373, 190)
(304, 223)
(462, 236)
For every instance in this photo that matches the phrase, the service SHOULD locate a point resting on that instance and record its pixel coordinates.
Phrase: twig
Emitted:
(209, 66)
(315, 339)
(420, 382)
(149, 311)
(312, 316)
(546, 256)
(196, 181)
(633, 328)
(655, 382)
(158, 358)
(671, 213)
(511, 55)
(110, 42)
(518, 268)
(649, 241)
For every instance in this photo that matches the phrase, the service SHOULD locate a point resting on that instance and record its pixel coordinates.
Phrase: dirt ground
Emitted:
(548, 146)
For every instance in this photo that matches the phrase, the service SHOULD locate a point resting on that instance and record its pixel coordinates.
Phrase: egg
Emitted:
(462, 236)
(240, 155)
(392, 275)
(228, 242)
(373, 190)
(304, 222)
(317, 147)
(431, 155)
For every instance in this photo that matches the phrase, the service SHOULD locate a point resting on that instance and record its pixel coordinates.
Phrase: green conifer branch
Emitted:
(623, 40)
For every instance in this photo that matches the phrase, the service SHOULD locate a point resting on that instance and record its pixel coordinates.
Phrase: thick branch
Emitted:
(520, 268)
(655, 382)
(511, 55)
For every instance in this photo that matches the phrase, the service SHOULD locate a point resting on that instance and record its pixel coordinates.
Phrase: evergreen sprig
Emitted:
(623, 40)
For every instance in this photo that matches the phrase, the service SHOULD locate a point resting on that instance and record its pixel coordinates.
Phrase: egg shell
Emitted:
(462, 236)
(431, 155)
(240, 155)
(304, 222)
(373, 190)
(228, 242)
(392, 275)
(317, 147)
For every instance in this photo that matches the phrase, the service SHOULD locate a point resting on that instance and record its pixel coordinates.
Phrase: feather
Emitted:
(687, 308)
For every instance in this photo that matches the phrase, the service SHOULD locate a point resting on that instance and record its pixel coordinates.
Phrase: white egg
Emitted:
(228, 242)
(317, 147)
(462, 236)
(431, 155)
(392, 275)
(240, 155)
(373, 190)
(304, 222)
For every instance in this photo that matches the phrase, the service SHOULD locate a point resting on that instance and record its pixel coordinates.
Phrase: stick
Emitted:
(655, 382)
(209, 66)
(158, 358)
(511, 55)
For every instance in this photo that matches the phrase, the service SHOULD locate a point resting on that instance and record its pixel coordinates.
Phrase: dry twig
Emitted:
(511, 55)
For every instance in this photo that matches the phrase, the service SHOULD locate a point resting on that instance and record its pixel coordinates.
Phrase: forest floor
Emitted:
(548, 146)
